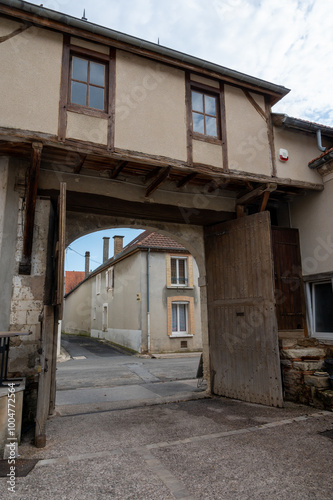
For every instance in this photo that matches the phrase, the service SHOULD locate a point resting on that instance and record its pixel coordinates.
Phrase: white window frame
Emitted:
(177, 259)
(180, 333)
(98, 284)
(311, 293)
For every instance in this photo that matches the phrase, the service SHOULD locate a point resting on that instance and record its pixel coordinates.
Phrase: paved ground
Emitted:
(206, 449)
(101, 374)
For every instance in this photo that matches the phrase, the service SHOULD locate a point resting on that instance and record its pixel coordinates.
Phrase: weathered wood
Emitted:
(118, 169)
(44, 377)
(240, 211)
(79, 163)
(186, 180)
(19, 30)
(30, 206)
(225, 158)
(270, 136)
(64, 89)
(256, 193)
(61, 248)
(160, 178)
(112, 99)
(189, 125)
(264, 201)
(256, 106)
(290, 301)
(242, 323)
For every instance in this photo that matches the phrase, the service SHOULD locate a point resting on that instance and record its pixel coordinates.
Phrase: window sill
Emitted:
(82, 110)
(206, 138)
(180, 335)
(181, 287)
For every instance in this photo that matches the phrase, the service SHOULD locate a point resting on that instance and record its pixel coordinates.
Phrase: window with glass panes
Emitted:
(179, 271)
(322, 309)
(88, 83)
(180, 317)
(205, 113)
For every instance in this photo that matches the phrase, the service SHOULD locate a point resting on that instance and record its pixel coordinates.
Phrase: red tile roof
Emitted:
(149, 239)
(321, 156)
(72, 278)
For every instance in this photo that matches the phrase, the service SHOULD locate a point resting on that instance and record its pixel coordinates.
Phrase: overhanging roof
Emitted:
(41, 13)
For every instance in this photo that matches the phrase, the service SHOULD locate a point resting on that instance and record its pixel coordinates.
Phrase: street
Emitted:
(98, 372)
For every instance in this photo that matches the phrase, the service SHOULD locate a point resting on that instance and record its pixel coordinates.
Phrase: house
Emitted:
(103, 130)
(145, 298)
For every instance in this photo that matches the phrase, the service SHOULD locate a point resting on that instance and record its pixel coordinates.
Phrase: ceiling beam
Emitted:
(79, 163)
(118, 168)
(159, 179)
(185, 180)
(256, 193)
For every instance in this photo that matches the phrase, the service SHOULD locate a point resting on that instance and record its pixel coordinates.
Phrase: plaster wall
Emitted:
(77, 310)
(150, 107)
(3, 194)
(302, 148)
(207, 153)
(311, 214)
(96, 47)
(87, 128)
(248, 147)
(30, 78)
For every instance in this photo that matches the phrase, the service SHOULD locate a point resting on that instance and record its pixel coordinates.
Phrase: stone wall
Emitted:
(302, 365)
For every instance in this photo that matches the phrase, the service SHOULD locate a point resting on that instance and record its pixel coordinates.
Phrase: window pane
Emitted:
(210, 105)
(96, 97)
(197, 102)
(211, 126)
(324, 307)
(80, 69)
(182, 317)
(174, 318)
(182, 273)
(97, 72)
(173, 271)
(198, 123)
(79, 93)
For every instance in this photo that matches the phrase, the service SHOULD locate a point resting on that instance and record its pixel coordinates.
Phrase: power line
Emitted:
(80, 254)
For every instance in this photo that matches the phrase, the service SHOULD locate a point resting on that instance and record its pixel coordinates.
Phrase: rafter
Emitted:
(159, 179)
(256, 193)
(185, 180)
(119, 168)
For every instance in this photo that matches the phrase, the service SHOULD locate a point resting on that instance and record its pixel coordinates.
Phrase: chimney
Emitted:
(86, 268)
(106, 248)
(118, 244)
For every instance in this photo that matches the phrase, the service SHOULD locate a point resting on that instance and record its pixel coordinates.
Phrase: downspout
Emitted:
(319, 144)
(148, 304)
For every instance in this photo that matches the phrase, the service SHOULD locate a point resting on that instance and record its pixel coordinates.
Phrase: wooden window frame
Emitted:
(99, 59)
(109, 278)
(311, 290)
(212, 92)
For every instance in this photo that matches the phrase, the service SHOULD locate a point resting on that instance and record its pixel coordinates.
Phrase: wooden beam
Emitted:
(185, 180)
(256, 193)
(30, 206)
(264, 201)
(79, 163)
(119, 167)
(161, 177)
(153, 173)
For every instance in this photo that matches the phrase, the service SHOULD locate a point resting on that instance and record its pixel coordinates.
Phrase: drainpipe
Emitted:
(86, 267)
(148, 304)
(319, 144)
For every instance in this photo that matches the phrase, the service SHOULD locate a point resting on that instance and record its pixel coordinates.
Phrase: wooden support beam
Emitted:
(152, 174)
(185, 180)
(30, 206)
(79, 163)
(119, 167)
(256, 193)
(264, 201)
(161, 177)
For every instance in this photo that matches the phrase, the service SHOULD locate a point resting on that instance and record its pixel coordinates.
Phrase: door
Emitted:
(243, 335)
(290, 303)
(52, 313)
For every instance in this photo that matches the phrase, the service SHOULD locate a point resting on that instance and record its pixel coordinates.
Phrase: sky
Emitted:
(286, 42)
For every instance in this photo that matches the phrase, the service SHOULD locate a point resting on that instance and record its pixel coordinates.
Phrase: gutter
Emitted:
(315, 164)
(290, 122)
(74, 22)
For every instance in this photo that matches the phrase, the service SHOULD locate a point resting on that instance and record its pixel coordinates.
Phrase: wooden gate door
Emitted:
(242, 323)
(49, 329)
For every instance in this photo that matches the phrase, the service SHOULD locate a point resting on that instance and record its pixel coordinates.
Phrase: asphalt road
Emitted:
(95, 363)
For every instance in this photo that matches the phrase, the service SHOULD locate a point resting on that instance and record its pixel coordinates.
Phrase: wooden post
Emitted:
(30, 206)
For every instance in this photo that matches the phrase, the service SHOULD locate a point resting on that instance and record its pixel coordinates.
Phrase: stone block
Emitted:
(287, 343)
(318, 382)
(306, 366)
(309, 353)
(308, 342)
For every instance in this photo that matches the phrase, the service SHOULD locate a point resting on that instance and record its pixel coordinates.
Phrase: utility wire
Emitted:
(80, 254)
